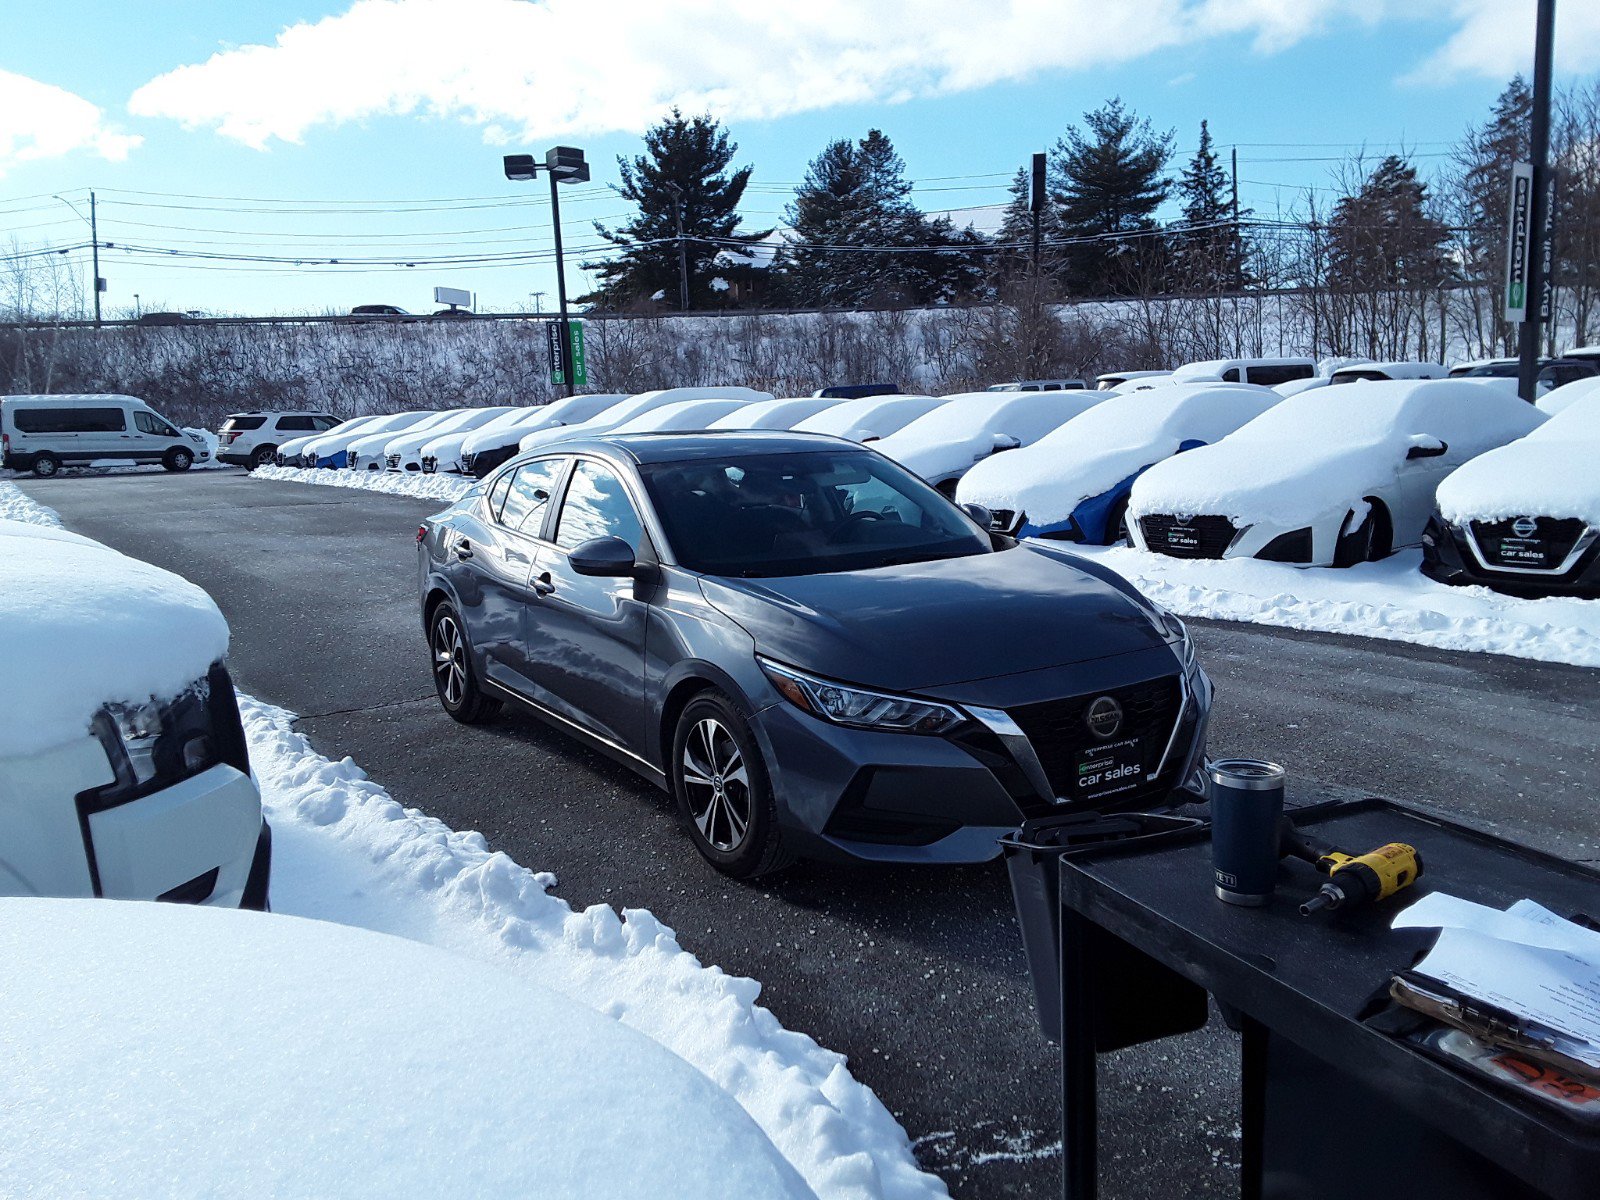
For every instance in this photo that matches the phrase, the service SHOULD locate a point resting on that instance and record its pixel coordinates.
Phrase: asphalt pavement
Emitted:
(916, 974)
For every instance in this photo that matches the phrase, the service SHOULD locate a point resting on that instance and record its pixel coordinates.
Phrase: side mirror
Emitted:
(1004, 441)
(603, 557)
(1423, 446)
(981, 515)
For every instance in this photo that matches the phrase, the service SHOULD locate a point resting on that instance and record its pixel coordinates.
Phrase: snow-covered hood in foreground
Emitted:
(968, 428)
(1550, 473)
(255, 1055)
(1093, 453)
(85, 626)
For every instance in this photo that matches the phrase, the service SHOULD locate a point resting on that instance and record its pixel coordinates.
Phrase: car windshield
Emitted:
(806, 513)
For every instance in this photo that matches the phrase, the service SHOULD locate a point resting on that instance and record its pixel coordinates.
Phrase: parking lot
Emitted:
(916, 975)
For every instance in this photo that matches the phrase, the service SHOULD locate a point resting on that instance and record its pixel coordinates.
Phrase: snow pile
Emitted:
(1095, 452)
(16, 505)
(165, 1050)
(1309, 455)
(1550, 473)
(69, 607)
(1557, 399)
(964, 428)
(422, 487)
(345, 851)
(1391, 599)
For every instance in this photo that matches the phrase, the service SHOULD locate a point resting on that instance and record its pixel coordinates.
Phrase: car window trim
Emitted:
(646, 552)
(558, 491)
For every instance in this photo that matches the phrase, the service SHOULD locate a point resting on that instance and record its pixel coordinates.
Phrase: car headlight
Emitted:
(858, 707)
(1178, 632)
(157, 743)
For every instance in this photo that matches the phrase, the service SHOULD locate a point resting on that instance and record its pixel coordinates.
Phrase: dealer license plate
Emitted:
(1524, 552)
(1109, 768)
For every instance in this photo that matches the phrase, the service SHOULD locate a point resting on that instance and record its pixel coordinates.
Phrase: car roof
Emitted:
(709, 443)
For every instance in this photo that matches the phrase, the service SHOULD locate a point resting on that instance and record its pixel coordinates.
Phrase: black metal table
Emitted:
(1331, 1106)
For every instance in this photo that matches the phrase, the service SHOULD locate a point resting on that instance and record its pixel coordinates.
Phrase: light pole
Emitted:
(137, 311)
(94, 247)
(1540, 287)
(563, 164)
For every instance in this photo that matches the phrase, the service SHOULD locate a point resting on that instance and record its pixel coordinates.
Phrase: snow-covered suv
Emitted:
(251, 439)
(123, 765)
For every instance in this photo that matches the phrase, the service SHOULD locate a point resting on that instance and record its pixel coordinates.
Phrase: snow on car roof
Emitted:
(869, 415)
(682, 414)
(1548, 473)
(171, 1049)
(1557, 399)
(1214, 367)
(86, 626)
(1409, 369)
(964, 427)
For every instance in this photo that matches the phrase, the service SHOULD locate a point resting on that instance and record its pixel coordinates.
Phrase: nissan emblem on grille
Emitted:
(1104, 717)
(1524, 527)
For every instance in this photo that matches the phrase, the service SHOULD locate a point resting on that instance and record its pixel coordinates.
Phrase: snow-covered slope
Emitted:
(1553, 472)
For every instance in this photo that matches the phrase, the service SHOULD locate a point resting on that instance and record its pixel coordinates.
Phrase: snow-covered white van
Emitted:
(123, 766)
(1268, 372)
(42, 434)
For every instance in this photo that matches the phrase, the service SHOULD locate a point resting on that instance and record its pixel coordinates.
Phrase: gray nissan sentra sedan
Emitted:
(812, 649)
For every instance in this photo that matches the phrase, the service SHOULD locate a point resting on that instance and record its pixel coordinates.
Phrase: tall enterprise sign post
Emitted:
(1529, 293)
(563, 164)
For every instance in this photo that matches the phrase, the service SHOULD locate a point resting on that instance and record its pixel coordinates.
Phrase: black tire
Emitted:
(723, 790)
(1382, 543)
(179, 458)
(262, 455)
(454, 679)
(1370, 541)
(45, 464)
(1117, 524)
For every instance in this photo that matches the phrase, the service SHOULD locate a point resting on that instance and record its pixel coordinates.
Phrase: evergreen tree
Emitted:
(1109, 181)
(1384, 236)
(687, 160)
(1208, 250)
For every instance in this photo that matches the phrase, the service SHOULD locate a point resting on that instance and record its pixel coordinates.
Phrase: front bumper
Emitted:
(1181, 535)
(1450, 556)
(854, 794)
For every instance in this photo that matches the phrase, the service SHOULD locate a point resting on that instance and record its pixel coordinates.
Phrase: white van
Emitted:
(42, 434)
(1268, 372)
(1377, 371)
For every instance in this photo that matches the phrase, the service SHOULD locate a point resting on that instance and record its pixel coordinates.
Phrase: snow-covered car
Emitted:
(251, 439)
(1557, 399)
(1266, 371)
(404, 451)
(1114, 380)
(443, 453)
(1074, 483)
(870, 417)
(942, 446)
(1295, 386)
(783, 413)
(636, 406)
(1323, 483)
(1374, 372)
(1525, 517)
(168, 1051)
(682, 417)
(331, 449)
(123, 766)
(369, 453)
(485, 449)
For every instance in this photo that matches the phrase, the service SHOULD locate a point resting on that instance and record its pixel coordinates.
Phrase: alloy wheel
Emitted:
(717, 784)
(449, 661)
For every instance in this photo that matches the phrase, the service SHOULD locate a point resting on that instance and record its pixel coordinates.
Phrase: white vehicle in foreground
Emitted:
(485, 449)
(1323, 483)
(123, 766)
(869, 418)
(1525, 516)
(1557, 399)
(443, 453)
(368, 453)
(172, 1052)
(1074, 483)
(635, 406)
(404, 452)
(331, 449)
(943, 445)
(784, 413)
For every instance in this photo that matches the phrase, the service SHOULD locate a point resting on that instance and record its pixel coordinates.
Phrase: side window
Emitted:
(148, 422)
(1231, 375)
(97, 420)
(597, 505)
(497, 494)
(297, 423)
(528, 495)
(324, 422)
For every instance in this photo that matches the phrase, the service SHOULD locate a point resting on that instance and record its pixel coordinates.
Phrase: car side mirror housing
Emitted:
(1426, 447)
(980, 515)
(605, 558)
(1004, 441)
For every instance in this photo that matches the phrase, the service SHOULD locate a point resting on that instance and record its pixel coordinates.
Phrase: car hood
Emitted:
(934, 624)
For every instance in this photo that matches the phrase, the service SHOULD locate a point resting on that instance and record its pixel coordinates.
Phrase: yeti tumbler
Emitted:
(1246, 804)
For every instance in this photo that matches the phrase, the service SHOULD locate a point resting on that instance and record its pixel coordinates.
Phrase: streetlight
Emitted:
(137, 311)
(94, 243)
(564, 164)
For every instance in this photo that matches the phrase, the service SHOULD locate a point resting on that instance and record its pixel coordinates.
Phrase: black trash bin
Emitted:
(1137, 998)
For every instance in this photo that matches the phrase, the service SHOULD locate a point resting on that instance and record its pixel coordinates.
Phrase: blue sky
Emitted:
(348, 107)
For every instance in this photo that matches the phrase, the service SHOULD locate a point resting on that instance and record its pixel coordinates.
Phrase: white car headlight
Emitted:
(862, 708)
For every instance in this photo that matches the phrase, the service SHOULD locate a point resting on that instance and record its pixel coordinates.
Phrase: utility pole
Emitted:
(137, 311)
(1036, 207)
(1235, 258)
(683, 256)
(94, 249)
(561, 281)
(1540, 294)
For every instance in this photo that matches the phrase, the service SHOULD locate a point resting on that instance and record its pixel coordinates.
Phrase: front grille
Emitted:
(1196, 537)
(1003, 520)
(1059, 731)
(393, 461)
(466, 463)
(1543, 548)
(430, 464)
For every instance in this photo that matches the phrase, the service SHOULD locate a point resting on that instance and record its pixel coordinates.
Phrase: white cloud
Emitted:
(1495, 40)
(525, 71)
(40, 120)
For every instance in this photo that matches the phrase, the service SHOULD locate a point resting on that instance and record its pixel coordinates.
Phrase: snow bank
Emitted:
(1092, 453)
(1550, 473)
(422, 487)
(17, 505)
(345, 851)
(963, 429)
(1391, 599)
(167, 1050)
(1313, 454)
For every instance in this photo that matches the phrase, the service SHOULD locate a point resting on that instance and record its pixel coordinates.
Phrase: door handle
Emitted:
(543, 584)
(464, 550)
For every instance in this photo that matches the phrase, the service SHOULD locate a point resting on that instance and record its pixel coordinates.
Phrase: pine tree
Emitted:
(1208, 250)
(691, 155)
(1109, 182)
